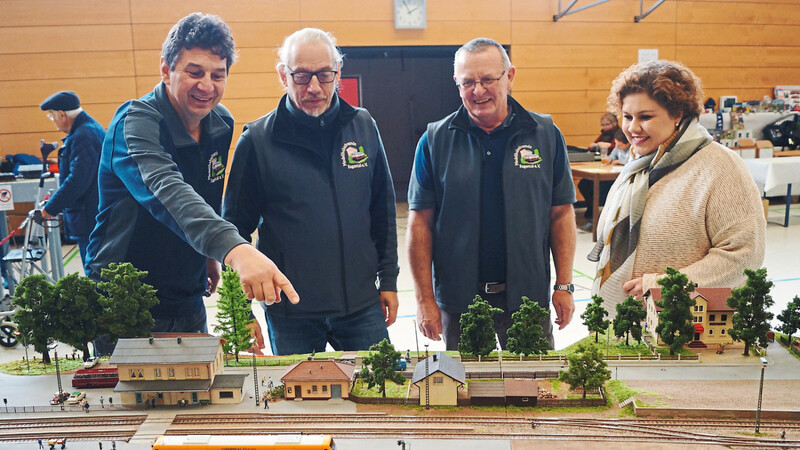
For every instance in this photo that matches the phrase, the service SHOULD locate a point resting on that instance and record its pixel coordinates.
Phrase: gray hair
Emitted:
(72, 114)
(478, 45)
(307, 36)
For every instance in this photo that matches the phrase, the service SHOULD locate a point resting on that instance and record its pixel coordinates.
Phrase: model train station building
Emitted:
(711, 316)
(173, 369)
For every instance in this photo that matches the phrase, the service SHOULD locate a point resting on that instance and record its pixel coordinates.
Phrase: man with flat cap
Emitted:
(78, 159)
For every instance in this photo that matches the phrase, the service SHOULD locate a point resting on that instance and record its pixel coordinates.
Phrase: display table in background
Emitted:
(595, 171)
(771, 173)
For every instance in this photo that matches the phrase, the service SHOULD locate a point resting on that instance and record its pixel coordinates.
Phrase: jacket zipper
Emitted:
(341, 238)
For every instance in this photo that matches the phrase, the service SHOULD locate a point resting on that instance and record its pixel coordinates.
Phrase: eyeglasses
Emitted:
(323, 76)
(485, 82)
(51, 115)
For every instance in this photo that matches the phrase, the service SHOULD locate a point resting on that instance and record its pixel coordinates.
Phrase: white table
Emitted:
(776, 172)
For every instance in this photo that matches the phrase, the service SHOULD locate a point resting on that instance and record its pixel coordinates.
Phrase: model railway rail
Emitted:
(120, 428)
(358, 426)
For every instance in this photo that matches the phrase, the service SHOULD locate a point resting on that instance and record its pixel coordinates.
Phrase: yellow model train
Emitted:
(245, 442)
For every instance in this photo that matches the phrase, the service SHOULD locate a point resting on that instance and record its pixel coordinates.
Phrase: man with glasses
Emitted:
(490, 197)
(161, 176)
(312, 176)
(76, 196)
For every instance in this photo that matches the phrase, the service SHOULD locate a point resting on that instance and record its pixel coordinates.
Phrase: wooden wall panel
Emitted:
(65, 65)
(66, 38)
(57, 13)
(169, 11)
(89, 90)
(109, 50)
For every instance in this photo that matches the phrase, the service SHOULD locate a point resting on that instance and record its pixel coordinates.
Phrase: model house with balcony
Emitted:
(711, 315)
(318, 380)
(168, 369)
(438, 377)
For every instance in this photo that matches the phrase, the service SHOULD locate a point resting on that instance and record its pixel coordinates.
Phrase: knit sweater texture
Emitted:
(704, 219)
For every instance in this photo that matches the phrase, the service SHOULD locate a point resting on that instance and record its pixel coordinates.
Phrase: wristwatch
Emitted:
(564, 287)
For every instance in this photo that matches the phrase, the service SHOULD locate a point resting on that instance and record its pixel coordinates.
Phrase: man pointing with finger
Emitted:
(161, 177)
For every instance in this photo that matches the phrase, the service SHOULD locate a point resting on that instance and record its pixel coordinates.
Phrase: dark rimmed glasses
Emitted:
(323, 76)
(487, 82)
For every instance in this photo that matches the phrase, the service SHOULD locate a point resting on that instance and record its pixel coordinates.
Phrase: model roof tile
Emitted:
(319, 371)
(440, 362)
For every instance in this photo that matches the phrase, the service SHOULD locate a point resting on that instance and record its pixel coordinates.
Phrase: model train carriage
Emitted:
(244, 442)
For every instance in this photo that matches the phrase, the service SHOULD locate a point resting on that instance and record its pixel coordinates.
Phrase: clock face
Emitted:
(410, 14)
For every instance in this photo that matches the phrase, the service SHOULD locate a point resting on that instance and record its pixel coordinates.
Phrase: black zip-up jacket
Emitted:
(325, 216)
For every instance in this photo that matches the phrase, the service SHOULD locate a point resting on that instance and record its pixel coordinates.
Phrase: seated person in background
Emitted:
(620, 155)
(608, 128)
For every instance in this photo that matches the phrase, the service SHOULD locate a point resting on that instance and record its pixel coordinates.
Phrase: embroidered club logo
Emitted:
(216, 170)
(527, 157)
(354, 156)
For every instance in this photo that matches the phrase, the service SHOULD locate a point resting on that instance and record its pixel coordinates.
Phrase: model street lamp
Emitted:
(760, 393)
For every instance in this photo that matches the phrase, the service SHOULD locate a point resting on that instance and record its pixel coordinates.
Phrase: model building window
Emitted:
(697, 319)
(710, 331)
(723, 317)
(723, 331)
(701, 308)
(288, 389)
(157, 373)
(197, 372)
(141, 373)
(438, 380)
(133, 373)
(225, 394)
(188, 373)
(172, 372)
(325, 388)
(314, 388)
(712, 317)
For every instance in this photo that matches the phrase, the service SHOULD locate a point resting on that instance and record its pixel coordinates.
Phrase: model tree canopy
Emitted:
(752, 302)
(78, 301)
(127, 301)
(790, 318)
(233, 314)
(675, 319)
(379, 366)
(477, 328)
(594, 317)
(587, 369)
(37, 314)
(630, 314)
(526, 336)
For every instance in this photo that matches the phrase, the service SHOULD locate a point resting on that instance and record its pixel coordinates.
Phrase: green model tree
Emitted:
(477, 328)
(595, 317)
(525, 336)
(379, 366)
(587, 369)
(127, 302)
(790, 318)
(752, 302)
(233, 314)
(37, 314)
(675, 319)
(78, 301)
(630, 314)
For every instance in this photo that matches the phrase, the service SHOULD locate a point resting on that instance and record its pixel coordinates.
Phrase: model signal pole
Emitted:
(760, 393)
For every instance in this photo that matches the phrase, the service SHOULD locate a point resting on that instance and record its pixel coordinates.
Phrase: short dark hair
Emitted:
(671, 84)
(620, 136)
(205, 31)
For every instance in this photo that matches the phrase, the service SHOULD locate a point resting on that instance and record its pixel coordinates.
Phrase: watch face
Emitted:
(410, 14)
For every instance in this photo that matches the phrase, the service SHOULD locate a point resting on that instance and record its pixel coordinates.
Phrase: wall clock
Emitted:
(410, 14)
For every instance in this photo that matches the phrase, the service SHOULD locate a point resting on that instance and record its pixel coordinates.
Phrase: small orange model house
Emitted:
(711, 315)
(318, 380)
(174, 370)
(440, 377)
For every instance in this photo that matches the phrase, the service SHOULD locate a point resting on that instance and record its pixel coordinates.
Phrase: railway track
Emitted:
(72, 428)
(365, 426)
